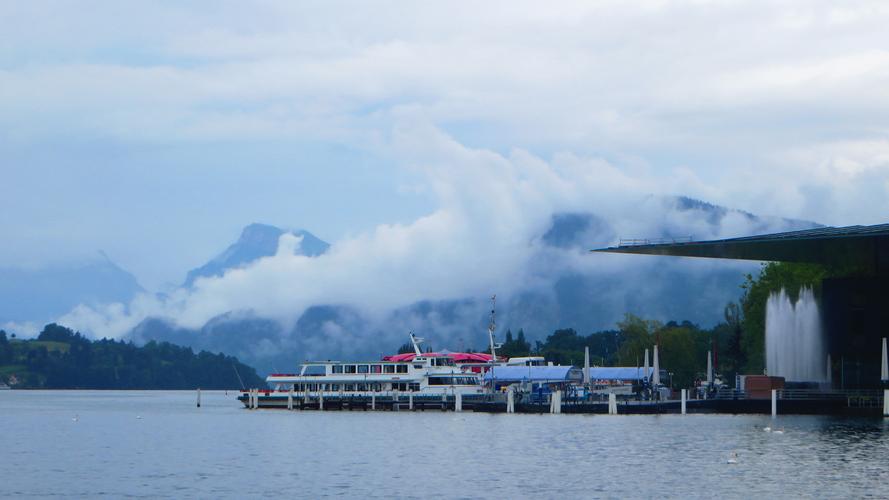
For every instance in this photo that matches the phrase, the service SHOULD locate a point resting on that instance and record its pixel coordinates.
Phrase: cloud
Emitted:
(483, 237)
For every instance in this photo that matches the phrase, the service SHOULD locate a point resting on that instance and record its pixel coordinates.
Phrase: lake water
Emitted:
(223, 450)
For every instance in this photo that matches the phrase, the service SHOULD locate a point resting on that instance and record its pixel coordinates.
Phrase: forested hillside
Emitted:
(63, 359)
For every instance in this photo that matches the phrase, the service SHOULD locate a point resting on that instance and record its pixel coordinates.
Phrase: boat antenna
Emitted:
(416, 341)
(239, 376)
(491, 327)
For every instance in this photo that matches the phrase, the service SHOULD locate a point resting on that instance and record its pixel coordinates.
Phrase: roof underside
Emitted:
(852, 246)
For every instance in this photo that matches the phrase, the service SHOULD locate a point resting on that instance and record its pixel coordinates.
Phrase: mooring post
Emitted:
(557, 407)
(774, 402)
(199, 397)
(612, 403)
(290, 399)
(510, 401)
(886, 402)
(410, 401)
(684, 396)
(458, 402)
(320, 400)
(373, 401)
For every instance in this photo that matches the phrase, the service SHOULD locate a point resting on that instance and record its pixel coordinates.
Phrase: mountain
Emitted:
(47, 293)
(256, 241)
(589, 297)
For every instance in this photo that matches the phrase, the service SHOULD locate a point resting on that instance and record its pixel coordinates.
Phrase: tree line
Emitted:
(61, 358)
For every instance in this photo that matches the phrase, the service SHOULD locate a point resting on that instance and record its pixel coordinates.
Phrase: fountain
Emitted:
(795, 346)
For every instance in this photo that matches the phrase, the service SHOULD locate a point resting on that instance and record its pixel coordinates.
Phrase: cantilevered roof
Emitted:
(860, 247)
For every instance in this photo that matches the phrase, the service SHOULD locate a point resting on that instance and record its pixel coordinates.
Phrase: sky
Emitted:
(154, 131)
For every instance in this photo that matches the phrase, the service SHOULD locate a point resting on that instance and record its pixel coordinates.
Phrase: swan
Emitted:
(733, 458)
(767, 429)
(779, 431)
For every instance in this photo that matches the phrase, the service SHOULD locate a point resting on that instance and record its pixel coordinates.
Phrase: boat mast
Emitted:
(491, 328)
(416, 341)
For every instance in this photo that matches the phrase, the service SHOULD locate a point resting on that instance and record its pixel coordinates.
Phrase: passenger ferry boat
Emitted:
(428, 374)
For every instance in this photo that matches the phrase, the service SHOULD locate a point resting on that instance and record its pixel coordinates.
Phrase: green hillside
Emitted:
(62, 359)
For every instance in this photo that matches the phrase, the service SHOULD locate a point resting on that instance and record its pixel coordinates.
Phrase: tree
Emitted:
(636, 335)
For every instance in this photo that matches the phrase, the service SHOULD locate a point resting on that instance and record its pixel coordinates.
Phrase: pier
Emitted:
(801, 402)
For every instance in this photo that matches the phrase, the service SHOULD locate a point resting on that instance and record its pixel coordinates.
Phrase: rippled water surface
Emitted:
(85, 443)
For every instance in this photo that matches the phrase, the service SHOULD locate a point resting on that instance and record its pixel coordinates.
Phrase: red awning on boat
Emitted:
(458, 357)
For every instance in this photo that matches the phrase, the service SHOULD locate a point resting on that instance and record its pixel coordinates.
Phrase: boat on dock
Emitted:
(421, 376)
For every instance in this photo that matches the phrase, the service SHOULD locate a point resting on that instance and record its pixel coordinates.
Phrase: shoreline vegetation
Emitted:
(60, 358)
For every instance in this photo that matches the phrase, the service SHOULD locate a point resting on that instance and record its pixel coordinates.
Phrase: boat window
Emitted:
(401, 369)
(349, 387)
(376, 387)
(376, 369)
(388, 368)
(337, 368)
(363, 368)
(350, 368)
(314, 371)
(418, 367)
(334, 387)
(414, 386)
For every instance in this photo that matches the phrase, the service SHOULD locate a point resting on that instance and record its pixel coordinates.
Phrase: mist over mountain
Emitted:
(567, 286)
(39, 295)
(256, 241)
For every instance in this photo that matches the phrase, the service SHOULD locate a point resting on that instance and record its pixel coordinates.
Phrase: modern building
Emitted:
(854, 303)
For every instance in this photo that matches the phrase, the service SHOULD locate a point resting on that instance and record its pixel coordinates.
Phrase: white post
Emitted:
(254, 395)
(612, 403)
(645, 371)
(684, 396)
(458, 402)
(884, 368)
(774, 403)
(199, 397)
(373, 401)
(320, 400)
(290, 399)
(410, 401)
(395, 400)
(557, 407)
(656, 377)
(886, 402)
(510, 401)
(586, 366)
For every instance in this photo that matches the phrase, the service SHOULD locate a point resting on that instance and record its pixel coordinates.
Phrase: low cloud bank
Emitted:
(486, 236)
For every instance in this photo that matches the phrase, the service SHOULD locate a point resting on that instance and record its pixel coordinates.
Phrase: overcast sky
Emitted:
(156, 130)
